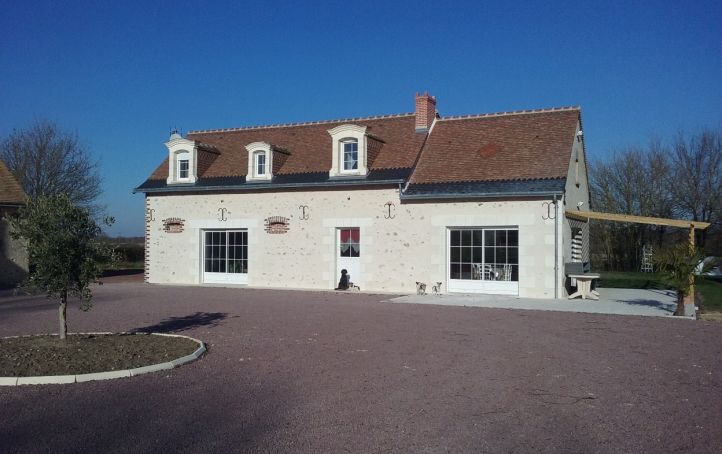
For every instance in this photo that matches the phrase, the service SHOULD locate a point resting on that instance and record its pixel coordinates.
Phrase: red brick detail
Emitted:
(173, 225)
(425, 111)
(276, 224)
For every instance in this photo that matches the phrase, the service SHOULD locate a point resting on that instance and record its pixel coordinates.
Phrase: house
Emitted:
(13, 255)
(474, 202)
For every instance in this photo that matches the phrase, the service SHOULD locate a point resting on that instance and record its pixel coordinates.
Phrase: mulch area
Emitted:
(87, 353)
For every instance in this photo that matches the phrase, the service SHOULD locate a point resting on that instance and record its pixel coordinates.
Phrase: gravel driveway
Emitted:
(324, 372)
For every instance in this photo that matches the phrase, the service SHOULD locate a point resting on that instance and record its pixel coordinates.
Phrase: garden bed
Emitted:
(29, 356)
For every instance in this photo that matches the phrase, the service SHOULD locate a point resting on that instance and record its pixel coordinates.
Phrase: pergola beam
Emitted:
(586, 215)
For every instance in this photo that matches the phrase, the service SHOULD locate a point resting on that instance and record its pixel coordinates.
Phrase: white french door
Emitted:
(348, 254)
(225, 256)
(483, 260)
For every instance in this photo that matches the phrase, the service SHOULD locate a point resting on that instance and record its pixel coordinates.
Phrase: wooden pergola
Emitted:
(681, 223)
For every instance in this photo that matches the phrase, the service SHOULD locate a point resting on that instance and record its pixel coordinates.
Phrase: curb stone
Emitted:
(109, 375)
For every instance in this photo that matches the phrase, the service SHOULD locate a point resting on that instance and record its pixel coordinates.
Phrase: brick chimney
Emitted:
(425, 111)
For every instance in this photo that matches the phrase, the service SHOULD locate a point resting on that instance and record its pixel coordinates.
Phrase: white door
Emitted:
(483, 260)
(348, 254)
(225, 256)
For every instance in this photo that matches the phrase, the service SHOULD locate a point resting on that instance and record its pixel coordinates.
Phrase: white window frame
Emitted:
(342, 145)
(339, 136)
(183, 157)
(260, 162)
(256, 149)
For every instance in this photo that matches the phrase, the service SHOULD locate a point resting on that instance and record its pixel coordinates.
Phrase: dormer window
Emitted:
(349, 155)
(260, 162)
(182, 160)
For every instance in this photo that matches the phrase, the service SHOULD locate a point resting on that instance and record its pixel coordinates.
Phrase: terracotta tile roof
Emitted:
(395, 145)
(10, 190)
(505, 146)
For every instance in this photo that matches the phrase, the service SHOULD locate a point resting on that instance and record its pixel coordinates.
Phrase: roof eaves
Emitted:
(255, 186)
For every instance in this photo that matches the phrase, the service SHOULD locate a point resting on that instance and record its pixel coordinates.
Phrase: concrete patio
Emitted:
(655, 303)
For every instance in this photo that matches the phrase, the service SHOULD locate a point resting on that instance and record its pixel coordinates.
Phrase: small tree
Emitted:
(64, 249)
(678, 263)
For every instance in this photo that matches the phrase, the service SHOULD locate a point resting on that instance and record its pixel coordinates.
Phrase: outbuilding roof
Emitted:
(10, 190)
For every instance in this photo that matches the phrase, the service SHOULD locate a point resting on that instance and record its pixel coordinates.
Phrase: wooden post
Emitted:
(689, 299)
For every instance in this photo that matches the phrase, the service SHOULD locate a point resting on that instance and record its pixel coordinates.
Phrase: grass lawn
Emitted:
(711, 292)
(709, 289)
(621, 279)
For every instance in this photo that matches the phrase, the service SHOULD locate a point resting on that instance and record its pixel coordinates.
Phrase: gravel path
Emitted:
(324, 372)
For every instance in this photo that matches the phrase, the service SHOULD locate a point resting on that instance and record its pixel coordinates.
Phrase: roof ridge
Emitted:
(512, 112)
(305, 123)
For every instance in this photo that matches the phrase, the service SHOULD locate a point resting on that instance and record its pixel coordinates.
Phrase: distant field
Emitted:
(131, 251)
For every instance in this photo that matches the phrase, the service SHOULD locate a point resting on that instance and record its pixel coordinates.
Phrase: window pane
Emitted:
(466, 237)
(489, 238)
(355, 250)
(466, 271)
(489, 255)
(466, 254)
(513, 255)
(455, 271)
(478, 239)
(455, 256)
(456, 237)
(500, 255)
(515, 273)
(355, 236)
(477, 256)
(513, 237)
(501, 237)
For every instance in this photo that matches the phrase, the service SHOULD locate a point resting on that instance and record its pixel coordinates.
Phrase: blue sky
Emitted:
(122, 73)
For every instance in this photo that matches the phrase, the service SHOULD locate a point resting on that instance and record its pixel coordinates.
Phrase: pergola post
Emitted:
(689, 299)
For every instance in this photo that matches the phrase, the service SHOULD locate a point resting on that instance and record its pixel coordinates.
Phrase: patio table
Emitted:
(584, 286)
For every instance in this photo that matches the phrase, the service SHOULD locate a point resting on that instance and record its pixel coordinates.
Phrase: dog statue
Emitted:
(420, 288)
(436, 288)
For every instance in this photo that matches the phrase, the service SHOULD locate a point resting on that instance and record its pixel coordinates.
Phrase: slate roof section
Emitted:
(490, 189)
(301, 180)
(11, 193)
(509, 146)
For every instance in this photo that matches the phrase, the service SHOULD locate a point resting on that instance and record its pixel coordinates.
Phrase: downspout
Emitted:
(556, 248)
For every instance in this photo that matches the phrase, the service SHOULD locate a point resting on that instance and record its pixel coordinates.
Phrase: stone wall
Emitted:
(13, 255)
(396, 252)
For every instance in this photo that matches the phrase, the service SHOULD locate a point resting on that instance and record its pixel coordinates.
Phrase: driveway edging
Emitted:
(109, 375)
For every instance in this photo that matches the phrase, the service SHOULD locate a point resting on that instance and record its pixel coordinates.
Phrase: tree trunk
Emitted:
(63, 332)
